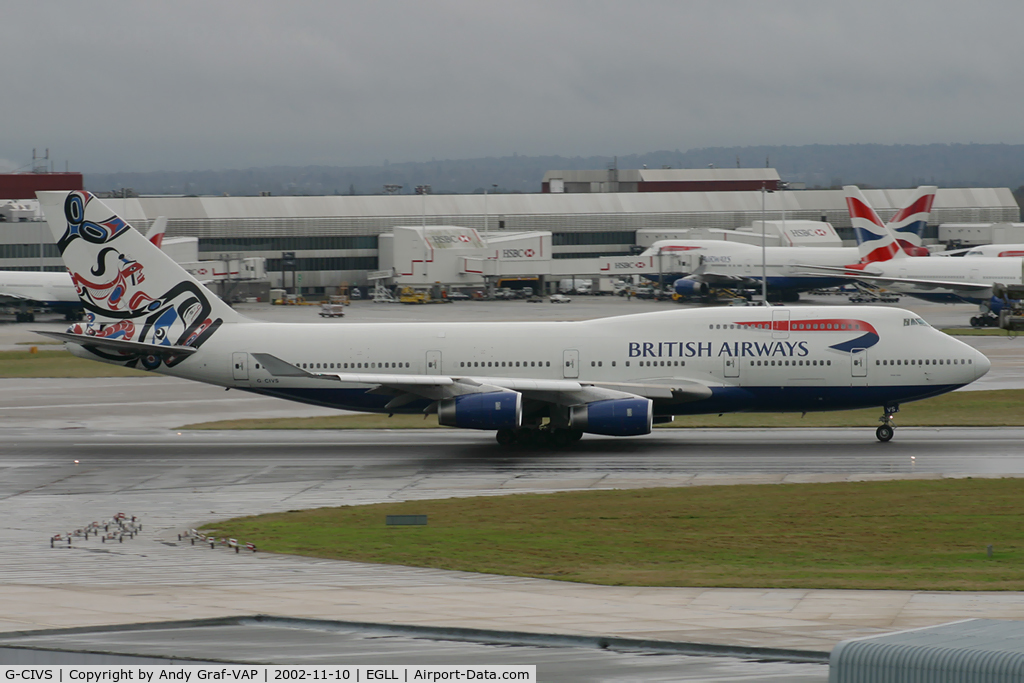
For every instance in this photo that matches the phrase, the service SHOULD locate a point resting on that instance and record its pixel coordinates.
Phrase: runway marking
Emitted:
(131, 403)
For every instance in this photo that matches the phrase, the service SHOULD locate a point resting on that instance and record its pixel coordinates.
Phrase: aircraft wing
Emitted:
(920, 283)
(437, 387)
(119, 345)
(713, 279)
(12, 298)
(724, 280)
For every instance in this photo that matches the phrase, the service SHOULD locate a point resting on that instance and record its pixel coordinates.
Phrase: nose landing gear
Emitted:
(886, 430)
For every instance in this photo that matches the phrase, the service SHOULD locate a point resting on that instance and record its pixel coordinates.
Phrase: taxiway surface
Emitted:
(174, 482)
(130, 459)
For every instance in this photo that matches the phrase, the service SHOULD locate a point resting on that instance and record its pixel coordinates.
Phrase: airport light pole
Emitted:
(764, 250)
(487, 213)
(424, 190)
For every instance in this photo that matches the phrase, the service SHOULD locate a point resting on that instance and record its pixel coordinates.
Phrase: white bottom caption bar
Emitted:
(191, 673)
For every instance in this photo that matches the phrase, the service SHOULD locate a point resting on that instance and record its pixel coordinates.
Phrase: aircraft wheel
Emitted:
(524, 437)
(975, 321)
(884, 433)
(544, 438)
(505, 437)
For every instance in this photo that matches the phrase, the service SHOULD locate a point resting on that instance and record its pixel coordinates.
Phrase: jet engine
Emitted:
(614, 417)
(689, 287)
(491, 410)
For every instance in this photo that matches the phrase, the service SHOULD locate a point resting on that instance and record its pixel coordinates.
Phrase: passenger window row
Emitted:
(352, 366)
(505, 364)
(783, 363)
(793, 326)
(926, 361)
(658, 363)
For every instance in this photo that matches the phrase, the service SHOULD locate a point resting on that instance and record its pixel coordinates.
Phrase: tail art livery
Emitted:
(26, 288)
(536, 383)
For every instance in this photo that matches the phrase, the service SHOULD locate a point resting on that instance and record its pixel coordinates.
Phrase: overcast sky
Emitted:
(141, 86)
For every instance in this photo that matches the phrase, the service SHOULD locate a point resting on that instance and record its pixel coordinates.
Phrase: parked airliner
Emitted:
(943, 280)
(988, 250)
(735, 265)
(53, 290)
(530, 382)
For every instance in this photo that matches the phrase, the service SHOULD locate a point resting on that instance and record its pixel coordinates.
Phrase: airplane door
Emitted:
(859, 360)
(780, 324)
(570, 363)
(240, 365)
(732, 367)
(433, 362)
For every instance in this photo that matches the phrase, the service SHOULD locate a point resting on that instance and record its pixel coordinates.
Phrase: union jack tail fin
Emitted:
(909, 222)
(875, 241)
(131, 290)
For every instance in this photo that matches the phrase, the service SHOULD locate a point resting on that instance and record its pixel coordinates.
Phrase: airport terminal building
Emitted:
(330, 240)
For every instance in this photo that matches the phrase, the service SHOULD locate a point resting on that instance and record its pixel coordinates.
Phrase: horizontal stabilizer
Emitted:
(119, 345)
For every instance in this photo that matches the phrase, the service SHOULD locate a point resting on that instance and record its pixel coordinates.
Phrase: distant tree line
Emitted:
(819, 166)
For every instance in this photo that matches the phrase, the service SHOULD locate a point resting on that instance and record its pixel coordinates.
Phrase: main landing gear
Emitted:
(540, 437)
(886, 430)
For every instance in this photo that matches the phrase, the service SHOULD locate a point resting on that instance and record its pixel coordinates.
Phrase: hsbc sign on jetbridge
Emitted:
(520, 253)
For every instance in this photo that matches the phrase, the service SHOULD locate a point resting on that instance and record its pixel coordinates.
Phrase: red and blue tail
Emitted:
(909, 222)
(875, 241)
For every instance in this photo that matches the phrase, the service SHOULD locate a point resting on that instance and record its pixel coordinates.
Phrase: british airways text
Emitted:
(746, 349)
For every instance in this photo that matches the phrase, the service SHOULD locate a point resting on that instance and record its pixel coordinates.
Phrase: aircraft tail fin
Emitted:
(130, 289)
(155, 234)
(910, 221)
(875, 241)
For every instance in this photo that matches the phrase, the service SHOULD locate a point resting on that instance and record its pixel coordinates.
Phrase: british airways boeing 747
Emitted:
(530, 382)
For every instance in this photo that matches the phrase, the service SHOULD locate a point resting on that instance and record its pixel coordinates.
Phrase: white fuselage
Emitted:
(782, 265)
(42, 287)
(977, 270)
(997, 251)
(758, 359)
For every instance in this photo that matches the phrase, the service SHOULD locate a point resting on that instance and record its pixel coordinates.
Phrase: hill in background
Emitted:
(819, 166)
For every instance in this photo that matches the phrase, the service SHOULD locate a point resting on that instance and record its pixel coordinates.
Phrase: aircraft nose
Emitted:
(981, 364)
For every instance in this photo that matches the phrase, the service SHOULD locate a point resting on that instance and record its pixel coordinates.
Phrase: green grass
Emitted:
(979, 332)
(360, 421)
(1002, 408)
(901, 535)
(54, 363)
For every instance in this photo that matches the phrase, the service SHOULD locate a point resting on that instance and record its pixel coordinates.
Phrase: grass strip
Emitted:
(979, 332)
(899, 535)
(58, 363)
(1001, 408)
